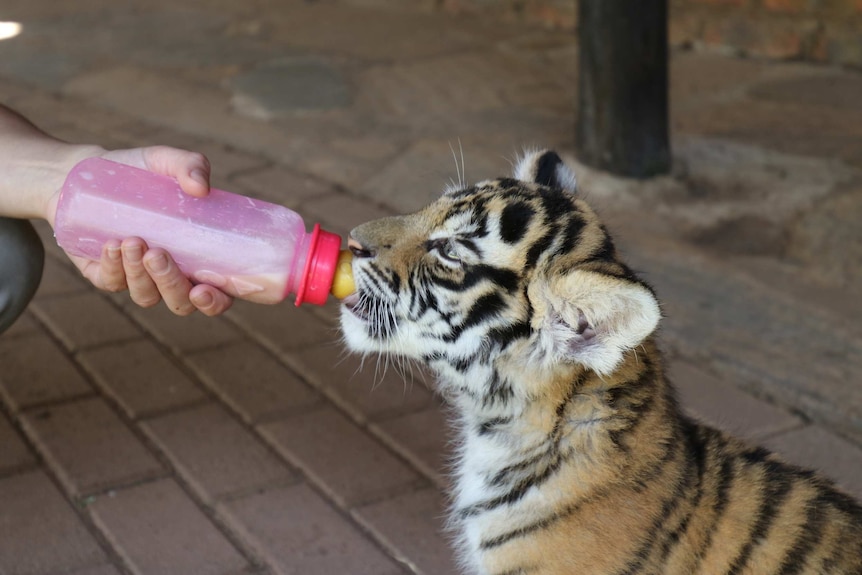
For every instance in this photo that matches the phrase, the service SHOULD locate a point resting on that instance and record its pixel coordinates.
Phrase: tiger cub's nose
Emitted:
(359, 250)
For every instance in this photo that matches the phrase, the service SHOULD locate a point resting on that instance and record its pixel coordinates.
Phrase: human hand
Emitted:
(151, 275)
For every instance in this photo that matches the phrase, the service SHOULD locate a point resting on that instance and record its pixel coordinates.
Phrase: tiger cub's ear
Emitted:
(593, 319)
(547, 168)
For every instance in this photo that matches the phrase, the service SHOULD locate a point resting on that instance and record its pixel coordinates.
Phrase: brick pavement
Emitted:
(133, 441)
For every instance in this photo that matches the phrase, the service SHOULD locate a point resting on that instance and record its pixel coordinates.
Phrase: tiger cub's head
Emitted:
(498, 283)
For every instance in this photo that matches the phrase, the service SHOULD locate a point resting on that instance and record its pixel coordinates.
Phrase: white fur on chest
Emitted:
(480, 460)
(482, 457)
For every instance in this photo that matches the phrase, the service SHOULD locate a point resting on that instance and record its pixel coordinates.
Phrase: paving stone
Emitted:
(85, 320)
(182, 334)
(72, 132)
(755, 335)
(369, 389)
(35, 370)
(13, 93)
(163, 36)
(434, 95)
(14, 454)
(89, 447)
(215, 453)
(224, 159)
(817, 448)
(26, 324)
(351, 157)
(424, 438)
(544, 49)
(723, 405)
(329, 312)
(383, 35)
(836, 302)
(340, 213)
(283, 326)
(38, 65)
(291, 84)
(828, 88)
(97, 570)
(421, 174)
(252, 382)
(790, 128)
(412, 528)
(828, 240)
(730, 181)
(136, 36)
(140, 378)
(46, 232)
(158, 529)
(296, 531)
(80, 116)
(177, 103)
(697, 77)
(59, 279)
(340, 457)
(39, 532)
(546, 95)
(281, 186)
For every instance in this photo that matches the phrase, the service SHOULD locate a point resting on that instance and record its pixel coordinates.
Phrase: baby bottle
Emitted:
(250, 249)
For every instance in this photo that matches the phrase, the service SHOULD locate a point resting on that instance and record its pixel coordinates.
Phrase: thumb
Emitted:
(190, 169)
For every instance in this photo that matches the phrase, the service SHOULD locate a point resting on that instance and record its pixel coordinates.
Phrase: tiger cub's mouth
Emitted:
(353, 303)
(376, 316)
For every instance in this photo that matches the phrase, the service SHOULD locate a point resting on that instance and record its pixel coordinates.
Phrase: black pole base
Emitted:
(623, 86)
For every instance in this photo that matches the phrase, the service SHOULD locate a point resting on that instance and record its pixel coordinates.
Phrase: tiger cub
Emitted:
(574, 455)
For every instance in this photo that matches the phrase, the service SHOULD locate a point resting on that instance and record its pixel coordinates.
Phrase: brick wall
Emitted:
(552, 13)
(827, 31)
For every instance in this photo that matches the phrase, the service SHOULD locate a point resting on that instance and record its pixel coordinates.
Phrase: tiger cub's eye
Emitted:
(449, 251)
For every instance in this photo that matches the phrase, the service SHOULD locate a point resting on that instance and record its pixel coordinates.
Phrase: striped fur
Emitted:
(574, 456)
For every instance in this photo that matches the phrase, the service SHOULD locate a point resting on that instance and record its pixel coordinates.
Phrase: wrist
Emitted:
(53, 174)
(65, 162)
(33, 165)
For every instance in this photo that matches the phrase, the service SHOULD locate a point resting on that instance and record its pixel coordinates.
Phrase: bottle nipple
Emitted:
(342, 282)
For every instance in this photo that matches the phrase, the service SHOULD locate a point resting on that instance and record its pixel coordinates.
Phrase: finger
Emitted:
(106, 273)
(191, 169)
(111, 276)
(209, 300)
(170, 282)
(142, 288)
(89, 269)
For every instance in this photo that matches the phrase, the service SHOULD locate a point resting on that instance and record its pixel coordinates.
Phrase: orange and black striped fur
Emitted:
(574, 456)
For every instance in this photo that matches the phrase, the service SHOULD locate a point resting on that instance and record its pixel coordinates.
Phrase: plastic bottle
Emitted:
(250, 249)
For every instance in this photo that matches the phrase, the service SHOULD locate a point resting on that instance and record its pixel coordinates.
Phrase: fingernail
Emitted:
(203, 300)
(158, 264)
(199, 176)
(133, 253)
(114, 253)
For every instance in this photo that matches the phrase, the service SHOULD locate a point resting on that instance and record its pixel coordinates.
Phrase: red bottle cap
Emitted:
(320, 266)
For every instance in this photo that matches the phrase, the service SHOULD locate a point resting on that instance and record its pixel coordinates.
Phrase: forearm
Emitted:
(33, 166)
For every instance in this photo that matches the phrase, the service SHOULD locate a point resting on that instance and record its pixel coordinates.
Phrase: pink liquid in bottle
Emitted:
(250, 249)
